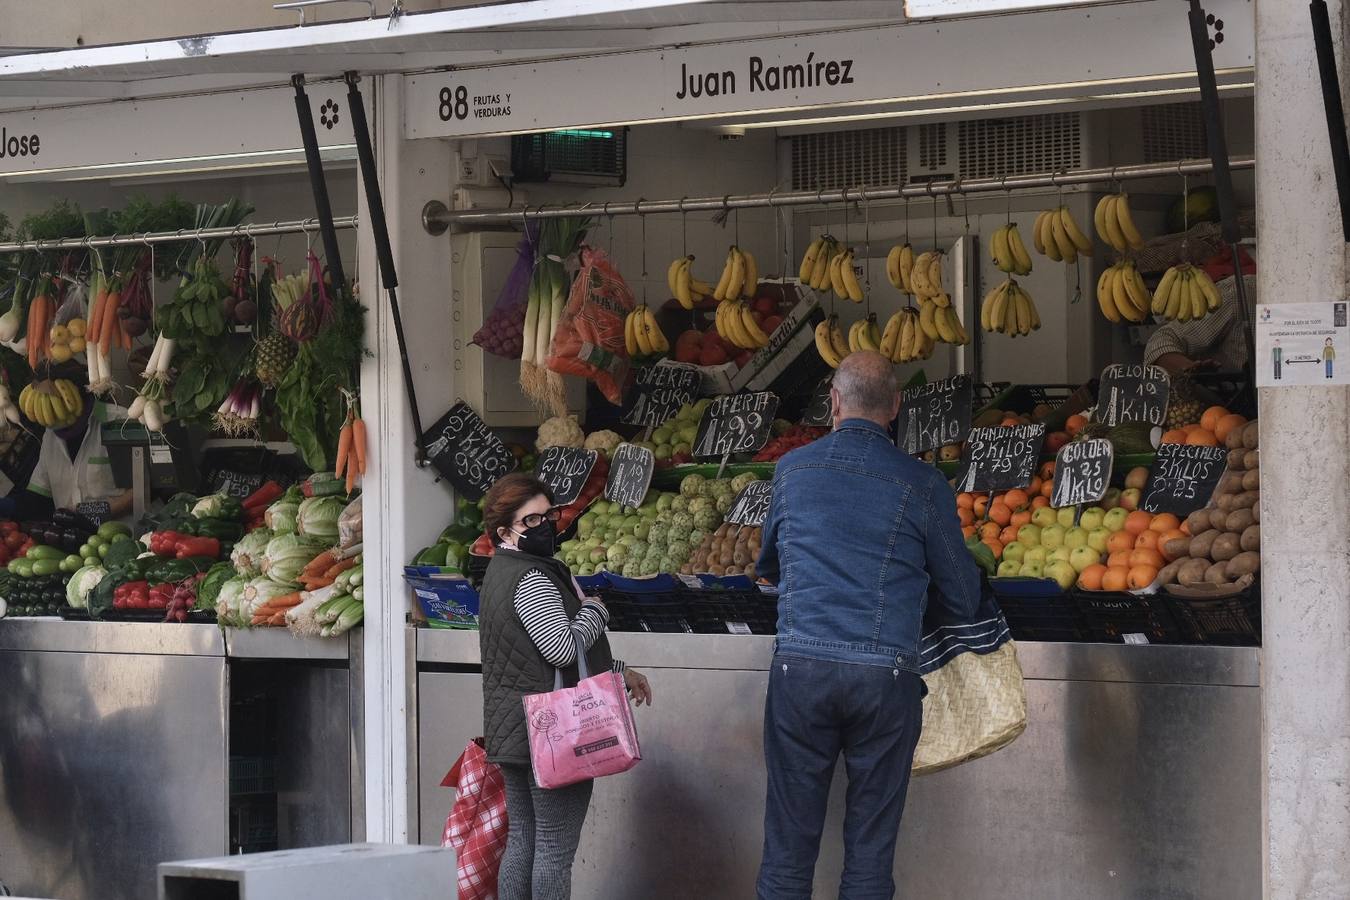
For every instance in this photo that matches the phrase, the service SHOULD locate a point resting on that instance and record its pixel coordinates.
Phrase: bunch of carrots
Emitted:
(273, 612)
(351, 450)
(41, 313)
(105, 325)
(324, 569)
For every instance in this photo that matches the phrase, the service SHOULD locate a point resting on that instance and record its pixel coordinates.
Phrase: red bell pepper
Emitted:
(132, 595)
(263, 497)
(196, 546)
(160, 595)
(164, 543)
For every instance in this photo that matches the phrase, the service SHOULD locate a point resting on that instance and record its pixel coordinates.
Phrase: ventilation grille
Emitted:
(993, 148)
(1173, 131)
(933, 146)
(841, 159)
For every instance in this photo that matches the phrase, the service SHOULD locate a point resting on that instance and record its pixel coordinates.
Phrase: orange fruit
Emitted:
(1121, 540)
(1140, 576)
(1226, 424)
(995, 545)
(1048, 488)
(1047, 470)
(1116, 578)
(1000, 513)
(1164, 522)
(1202, 438)
(1119, 559)
(1175, 436)
(1042, 500)
(968, 530)
(1008, 535)
(1074, 424)
(989, 531)
(1016, 499)
(1210, 417)
(1021, 517)
(1090, 579)
(1147, 558)
(981, 504)
(1137, 521)
(966, 516)
(1010, 421)
(1147, 540)
(965, 500)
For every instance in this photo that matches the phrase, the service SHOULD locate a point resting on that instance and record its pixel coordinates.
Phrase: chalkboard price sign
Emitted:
(658, 393)
(935, 414)
(465, 451)
(1133, 394)
(1000, 459)
(565, 470)
(630, 474)
(1082, 472)
(817, 412)
(1182, 478)
(751, 506)
(736, 423)
(96, 511)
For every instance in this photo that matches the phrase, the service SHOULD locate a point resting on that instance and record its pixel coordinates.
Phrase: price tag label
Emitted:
(465, 451)
(736, 423)
(630, 474)
(235, 484)
(659, 392)
(751, 506)
(1182, 478)
(1082, 472)
(565, 471)
(1000, 459)
(934, 415)
(96, 511)
(1133, 394)
(817, 412)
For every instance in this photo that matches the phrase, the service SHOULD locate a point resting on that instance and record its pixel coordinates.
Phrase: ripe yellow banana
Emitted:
(1210, 290)
(1114, 236)
(1081, 241)
(1160, 296)
(655, 336)
(751, 328)
(890, 337)
(1000, 251)
(837, 274)
(1120, 294)
(720, 291)
(918, 276)
(749, 288)
(907, 268)
(987, 306)
(1019, 251)
(684, 289)
(825, 347)
(837, 339)
(944, 327)
(1125, 222)
(737, 283)
(1138, 291)
(1067, 251)
(908, 336)
(1175, 293)
(1036, 240)
(998, 313)
(928, 319)
(1105, 295)
(849, 278)
(934, 273)
(893, 267)
(1099, 217)
(1199, 308)
(853, 343)
(820, 274)
(808, 266)
(1045, 236)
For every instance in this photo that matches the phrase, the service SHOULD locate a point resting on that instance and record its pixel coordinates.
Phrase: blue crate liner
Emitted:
(656, 584)
(447, 600)
(593, 584)
(1026, 587)
(708, 582)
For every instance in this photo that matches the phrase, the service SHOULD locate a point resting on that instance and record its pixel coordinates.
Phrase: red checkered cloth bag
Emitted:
(476, 826)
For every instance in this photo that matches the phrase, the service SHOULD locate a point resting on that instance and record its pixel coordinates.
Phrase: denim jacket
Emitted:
(856, 531)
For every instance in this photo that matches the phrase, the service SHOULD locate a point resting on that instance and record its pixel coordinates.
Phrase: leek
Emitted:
(351, 616)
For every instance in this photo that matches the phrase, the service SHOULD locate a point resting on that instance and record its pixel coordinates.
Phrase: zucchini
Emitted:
(42, 551)
(45, 566)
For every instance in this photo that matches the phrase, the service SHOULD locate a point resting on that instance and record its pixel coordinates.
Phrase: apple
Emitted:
(1043, 517)
(1111, 499)
(1014, 551)
(1075, 536)
(1136, 478)
(1115, 519)
(1033, 570)
(1064, 516)
(1009, 569)
(1060, 554)
(1097, 539)
(1092, 518)
(1063, 573)
(1052, 536)
(1036, 555)
(1129, 498)
(1082, 557)
(1030, 535)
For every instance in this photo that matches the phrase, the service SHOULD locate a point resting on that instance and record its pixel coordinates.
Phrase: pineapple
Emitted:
(272, 358)
(1183, 407)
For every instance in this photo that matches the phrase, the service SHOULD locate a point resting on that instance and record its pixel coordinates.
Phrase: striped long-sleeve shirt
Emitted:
(541, 611)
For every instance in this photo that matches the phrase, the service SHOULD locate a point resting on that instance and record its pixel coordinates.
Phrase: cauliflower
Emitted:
(604, 441)
(560, 431)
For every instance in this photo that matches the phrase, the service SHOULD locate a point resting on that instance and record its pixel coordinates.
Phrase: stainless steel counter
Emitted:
(1138, 776)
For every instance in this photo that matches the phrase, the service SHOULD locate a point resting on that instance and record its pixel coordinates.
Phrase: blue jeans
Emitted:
(815, 710)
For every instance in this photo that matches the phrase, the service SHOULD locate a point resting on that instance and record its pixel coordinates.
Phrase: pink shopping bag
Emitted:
(581, 732)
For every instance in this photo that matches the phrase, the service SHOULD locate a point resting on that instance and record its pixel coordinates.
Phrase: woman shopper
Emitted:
(533, 617)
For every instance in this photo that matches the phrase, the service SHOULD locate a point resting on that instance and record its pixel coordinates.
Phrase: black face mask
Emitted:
(541, 540)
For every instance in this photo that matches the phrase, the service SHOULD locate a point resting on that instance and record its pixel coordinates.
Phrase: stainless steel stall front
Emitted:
(126, 744)
(1139, 775)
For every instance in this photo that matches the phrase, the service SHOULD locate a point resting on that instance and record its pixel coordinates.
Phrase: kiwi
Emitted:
(1217, 573)
(1248, 563)
(1192, 572)
(1226, 546)
(1201, 545)
(1251, 538)
(1251, 480)
(1251, 435)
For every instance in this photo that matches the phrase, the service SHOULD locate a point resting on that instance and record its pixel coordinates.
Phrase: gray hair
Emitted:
(866, 384)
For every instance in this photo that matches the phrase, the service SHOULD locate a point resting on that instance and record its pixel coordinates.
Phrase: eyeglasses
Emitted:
(534, 520)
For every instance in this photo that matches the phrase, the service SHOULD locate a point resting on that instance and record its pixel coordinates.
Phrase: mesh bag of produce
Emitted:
(503, 331)
(589, 339)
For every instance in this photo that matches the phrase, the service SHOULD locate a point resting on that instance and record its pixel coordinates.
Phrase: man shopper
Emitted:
(857, 531)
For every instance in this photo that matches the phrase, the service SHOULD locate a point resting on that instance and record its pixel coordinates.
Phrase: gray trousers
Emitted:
(544, 830)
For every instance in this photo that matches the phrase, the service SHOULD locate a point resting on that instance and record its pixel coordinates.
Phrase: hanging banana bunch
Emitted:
(864, 335)
(684, 287)
(740, 276)
(815, 268)
(1008, 252)
(1008, 309)
(735, 323)
(642, 335)
(1056, 234)
(1186, 292)
(926, 277)
(843, 280)
(830, 343)
(1115, 224)
(1122, 294)
(899, 266)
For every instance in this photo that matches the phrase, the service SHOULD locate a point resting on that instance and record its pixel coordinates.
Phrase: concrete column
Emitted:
(404, 508)
(1305, 442)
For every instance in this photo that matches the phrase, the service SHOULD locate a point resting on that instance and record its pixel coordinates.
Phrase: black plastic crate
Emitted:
(657, 616)
(733, 612)
(1109, 616)
(1048, 618)
(1221, 621)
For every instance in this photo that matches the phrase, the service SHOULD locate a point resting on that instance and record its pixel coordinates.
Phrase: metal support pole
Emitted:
(318, 184)
(170, 237)
(1331, 102)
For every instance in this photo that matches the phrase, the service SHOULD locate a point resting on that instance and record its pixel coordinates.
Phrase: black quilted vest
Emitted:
(512, 665)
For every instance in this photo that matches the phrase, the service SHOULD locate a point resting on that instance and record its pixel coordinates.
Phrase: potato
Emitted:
(1202, 545)
(1238, 520)
(1168, 573)
(1192, 572)
(1230, 483)
(1234, 439)
(1237, 460)
(1198, 522)
(1251, 538)
(1225, 501)
(1243, 564)
(1246, 500)
(1251, 479)
(1217, 573)
(1253, 460)
(1251, 435)
(1218, 520)
(1256, 513)
(1177, 548)
(1226, 546)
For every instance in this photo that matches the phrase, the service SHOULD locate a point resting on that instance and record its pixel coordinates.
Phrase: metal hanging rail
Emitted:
(184, 234)
(436, 217)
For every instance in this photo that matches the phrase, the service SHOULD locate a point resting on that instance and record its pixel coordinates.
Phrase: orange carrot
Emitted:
(278, 619)
(344, 447)
(95, 313)
(351, 478)
(34, 309)
(339, 567)
(359, 445)
(124, 335)
(319, 564)
(110, 322)
(283, 601)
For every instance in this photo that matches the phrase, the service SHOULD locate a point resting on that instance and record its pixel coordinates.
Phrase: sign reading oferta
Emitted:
(785, 78)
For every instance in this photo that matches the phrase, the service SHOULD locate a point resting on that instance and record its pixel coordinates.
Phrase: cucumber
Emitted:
(22, 566)
(46, 566)
(42, 551)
